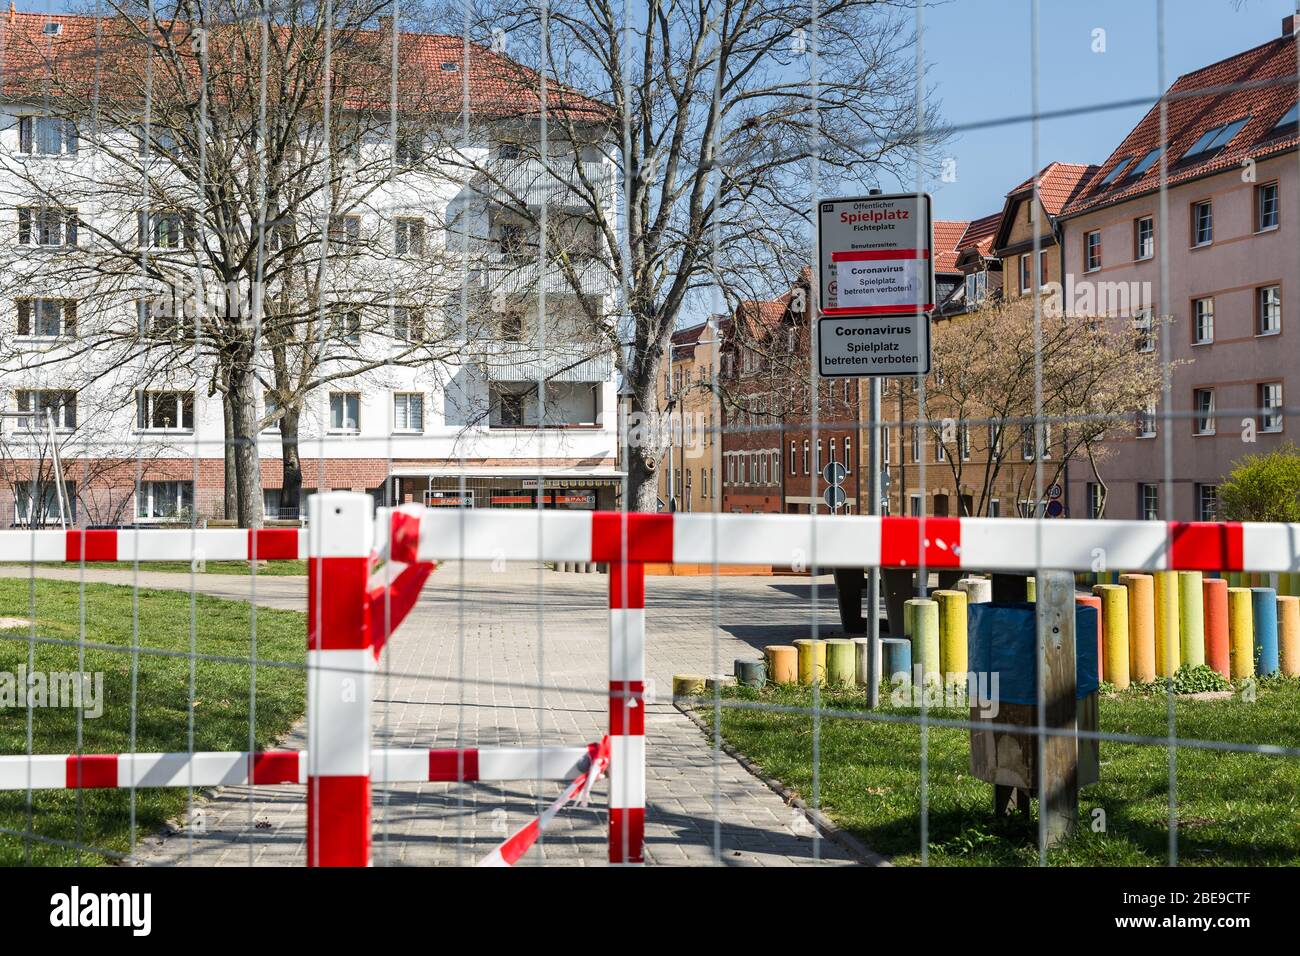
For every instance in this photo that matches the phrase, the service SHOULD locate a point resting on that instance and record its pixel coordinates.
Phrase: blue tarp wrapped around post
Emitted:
(1004, 641)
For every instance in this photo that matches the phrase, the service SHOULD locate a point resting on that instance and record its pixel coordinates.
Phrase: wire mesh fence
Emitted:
(561, 259)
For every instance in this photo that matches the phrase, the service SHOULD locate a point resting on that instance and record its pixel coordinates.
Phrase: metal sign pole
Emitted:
(874, 461)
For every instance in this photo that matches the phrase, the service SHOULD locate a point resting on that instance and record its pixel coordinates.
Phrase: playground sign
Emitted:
(876, 277)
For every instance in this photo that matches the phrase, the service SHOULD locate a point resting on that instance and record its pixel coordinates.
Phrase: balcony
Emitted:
(529, 183)
(521, 275)
(560, 362)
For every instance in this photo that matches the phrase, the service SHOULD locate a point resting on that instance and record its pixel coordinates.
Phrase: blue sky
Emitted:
(979, 56)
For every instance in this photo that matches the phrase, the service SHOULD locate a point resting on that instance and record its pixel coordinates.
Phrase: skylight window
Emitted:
(1115, 173)
(1288, 118)
(1145, 163)
(1216, 138)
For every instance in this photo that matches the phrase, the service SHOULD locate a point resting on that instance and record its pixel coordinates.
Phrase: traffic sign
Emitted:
(834, 497)
(874, 255)
(854, 346)
(1054, 491)
(834, 473)
(1055, 508)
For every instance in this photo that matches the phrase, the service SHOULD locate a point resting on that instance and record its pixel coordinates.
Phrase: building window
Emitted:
(1269, 304)
(47, 498)
(1266, 207)
(164, 499)
(164, 229)
(1045, 441)
(345, 228)
(1149, 501)
(995, 507)
(1207, 502)
(1202, 321)
(1202, 223)
(817, 462)
(963, 441)
(1146, 424)
(1024, 273)
(47, 318)
(1144, 238)
(1092, 251)
(940, 451)
(164, 411)
(794, 458)
(408, 324)
(408, 412)
(1203, 403)
(45, 226)
(914, 504)
(976, 288)
(45, 404)
(1270, 407)
(805, 456)
(409, 237)
(47, 136)
(1094, 499)
(345, 325)
(834, 450)
(345, 411)
(1144, 331)
(916, 443)
(1027, 443)
(163, 317)
(848, 450)
(1042, 268)
(410, 149)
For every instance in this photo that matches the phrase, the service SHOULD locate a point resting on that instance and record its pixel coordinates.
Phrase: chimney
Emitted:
(1289, 25)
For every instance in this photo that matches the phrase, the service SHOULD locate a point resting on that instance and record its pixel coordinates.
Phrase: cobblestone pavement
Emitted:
(518, 656)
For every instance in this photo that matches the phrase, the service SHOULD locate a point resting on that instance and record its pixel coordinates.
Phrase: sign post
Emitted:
(876, 293)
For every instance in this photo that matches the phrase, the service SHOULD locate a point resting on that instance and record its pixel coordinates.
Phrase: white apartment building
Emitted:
(451, 366)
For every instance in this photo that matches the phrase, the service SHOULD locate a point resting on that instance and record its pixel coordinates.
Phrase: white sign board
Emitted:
(858, 346)
(874, 255)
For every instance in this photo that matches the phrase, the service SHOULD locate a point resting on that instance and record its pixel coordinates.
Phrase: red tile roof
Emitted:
(1058, 183)
(107, 50)
(980, 233)
(1198, 102)
(947, 238)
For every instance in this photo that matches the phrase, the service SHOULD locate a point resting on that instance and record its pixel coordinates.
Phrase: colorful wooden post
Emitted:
(921, 621)
(1288, 634)
(1141, 626)
(1263, 603)
(1166, 617)
(952, 635)
(1114, 603)
(1214, 597)
(1191, 617)
(1241, 637)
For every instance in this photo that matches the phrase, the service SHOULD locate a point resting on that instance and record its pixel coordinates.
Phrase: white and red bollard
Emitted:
(626, 711)
(340, 665)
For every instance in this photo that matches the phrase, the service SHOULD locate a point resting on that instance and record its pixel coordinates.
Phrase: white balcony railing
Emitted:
(516, 275)
(565, 185)
(559, 362)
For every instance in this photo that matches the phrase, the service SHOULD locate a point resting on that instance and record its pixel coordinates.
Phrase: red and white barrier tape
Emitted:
(518, 843)
(977, 544)
(272, 767)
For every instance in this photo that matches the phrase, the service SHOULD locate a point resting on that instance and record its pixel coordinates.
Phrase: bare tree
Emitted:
(712, 126)
(215, 229)
(1098, 376)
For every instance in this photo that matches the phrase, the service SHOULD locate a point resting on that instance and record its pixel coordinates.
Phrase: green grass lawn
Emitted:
(100, 819)
(267, 568)
(1233, 809)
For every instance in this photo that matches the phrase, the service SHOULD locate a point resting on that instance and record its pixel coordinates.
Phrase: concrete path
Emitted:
(518, 656)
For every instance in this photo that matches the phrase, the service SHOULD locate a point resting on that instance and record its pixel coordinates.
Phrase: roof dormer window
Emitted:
(1216, 138)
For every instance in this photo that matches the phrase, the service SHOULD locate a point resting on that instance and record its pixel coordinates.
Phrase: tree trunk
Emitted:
(643, 442)
(248, 464)
(229, 501)
(291, 485)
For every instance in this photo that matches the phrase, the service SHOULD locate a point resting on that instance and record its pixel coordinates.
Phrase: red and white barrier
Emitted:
(595, 764)
(271, 767)
(976, 544)
(199, 544)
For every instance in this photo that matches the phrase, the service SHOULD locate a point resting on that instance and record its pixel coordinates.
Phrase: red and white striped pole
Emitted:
(626, 711)
(340, 663)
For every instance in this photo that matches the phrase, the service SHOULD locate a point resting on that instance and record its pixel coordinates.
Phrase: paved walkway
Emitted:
(519, 657)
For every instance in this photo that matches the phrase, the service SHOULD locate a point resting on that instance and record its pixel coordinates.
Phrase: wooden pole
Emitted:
(1058, 768)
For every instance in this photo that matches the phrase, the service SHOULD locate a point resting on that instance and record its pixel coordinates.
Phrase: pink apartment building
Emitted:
(1228, 233)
